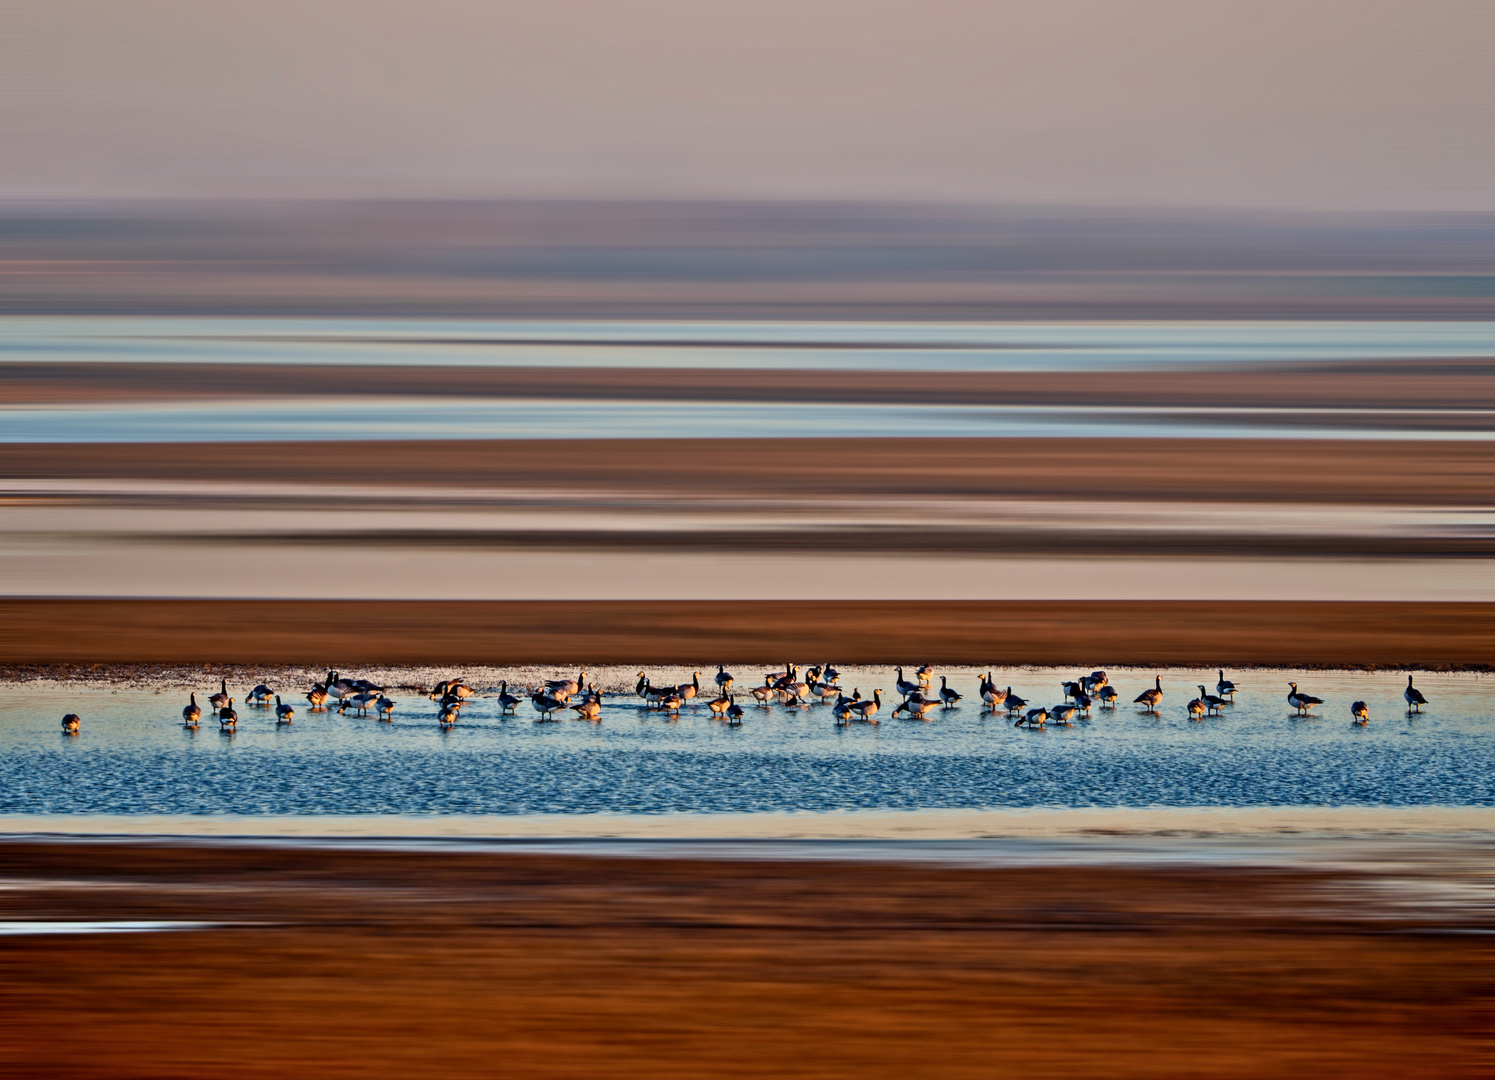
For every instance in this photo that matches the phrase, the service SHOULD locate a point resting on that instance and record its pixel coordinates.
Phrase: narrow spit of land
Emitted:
(92, 631)
(335, 962)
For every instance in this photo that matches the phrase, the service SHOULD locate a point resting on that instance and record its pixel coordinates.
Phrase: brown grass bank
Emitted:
(1208, 633)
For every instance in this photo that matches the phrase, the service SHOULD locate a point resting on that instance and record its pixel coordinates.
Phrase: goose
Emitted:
(867, 710)
(690, 689)
(70, 723)
(439, 690)
(342, 689)
(991, 696)
(1094, 681)
(507, 701)
(924, 674)
(220, 699)
(829, 674)
(227, 718)
(566, 686)
(1062, 714)
(1071, 689)
(590, 709)
(825, 691)
(1415, 700)
(1196, 707)
(720, 705)
(1083, 702)
(843, 709)
(1033, 718)
(386, 708)
(367, 687)
(734, 713)
(448, 714)
(763, 693)
(906, 686)
(1151, 698)
(1012, 702)
(917, 707)
(948, 696)
(317, 695)
(545, 704)
(1225, 688)
(1301, 702)
(795, 693)
(1211, 702)
(283, 713)
(1108, 696)
(363, 701)
(671, 702)
(724, 679)
(192, 713)
(260, 695)
(1360, 712)
(455, 688)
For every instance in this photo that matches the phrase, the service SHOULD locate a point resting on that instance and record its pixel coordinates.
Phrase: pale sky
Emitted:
(1313, 104)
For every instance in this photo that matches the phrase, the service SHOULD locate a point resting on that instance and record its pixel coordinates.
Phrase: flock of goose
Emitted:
(819, 684)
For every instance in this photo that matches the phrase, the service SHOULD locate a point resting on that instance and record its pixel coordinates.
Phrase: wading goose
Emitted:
(1071, 689)
(991, 695)
(1032, 718)
(825, 691)
(260, 695)
(385, 708)
(283, 713)
(906, 687)
(1083, 702)
(867, 710)
(724, 679)
(1360, 712)
(924, 674)
(546, 704)
(506, 700)
(1013, 703)
(1151, 699)
(70, 723)
(363, 702)
(227, 718)
(916, 707)
(734, 713)
(1062, 714)
(448, 714)
(1225, 688)
(192, 713)
(688, 690)
(1196, 707)
(566, 686)
(220, 699)
(949, 697)
(1301, 702)
(670, 702)
(1108, 696)
(1094, 681)
(1212, 703)
(1415, 700)
(317, 695)
(829, 674)
(589, 710)
(342, 689)
(764, 693)
(719, 706)
(843, 708)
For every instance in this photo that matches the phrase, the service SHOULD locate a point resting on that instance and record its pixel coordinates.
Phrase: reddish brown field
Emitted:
(370, 964)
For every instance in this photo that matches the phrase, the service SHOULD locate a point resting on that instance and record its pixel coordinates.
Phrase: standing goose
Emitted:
(724, 679)
(905, 686)
(1211, 702)
(192, 713)
(1301, 702)
(363, 701)
(317, 695)
(1360, 712)
(70, 724)
(1071, 689)
(1094, 681)
(991, 696)
(227, 718)
(283, 713)
(558, 687)
(867, 710)
(448, 714)
(690, 689)
(546, 704)
(1108, 696)
(719, 706)
(1225, 688)
(1415, 700)
(1062, 714)
(260, 695)
(670, 702)
(1151, 699)
(948, 696)
(220, 699)
(924, 674)
(507, 702)
(764, 693)
(734, 712)
(916, 707)
(1196, 707)
(590, 709)
(1083, 702)
(1033, 718)
(1013, 702)
(385, 708)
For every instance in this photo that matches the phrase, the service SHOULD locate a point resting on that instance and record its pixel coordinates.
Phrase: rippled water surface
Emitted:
(133, 756)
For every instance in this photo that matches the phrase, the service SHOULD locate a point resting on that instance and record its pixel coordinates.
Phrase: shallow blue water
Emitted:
(134, 757)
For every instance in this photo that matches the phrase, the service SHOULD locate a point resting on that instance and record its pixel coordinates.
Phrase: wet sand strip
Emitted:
(1428, 635)
(1438, 384)
(1460, 473)
(455, 964)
